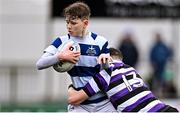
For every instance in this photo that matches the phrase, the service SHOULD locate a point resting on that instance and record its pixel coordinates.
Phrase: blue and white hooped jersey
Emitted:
(91, 47)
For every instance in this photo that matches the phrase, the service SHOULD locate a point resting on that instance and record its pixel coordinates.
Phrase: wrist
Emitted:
(60, 56)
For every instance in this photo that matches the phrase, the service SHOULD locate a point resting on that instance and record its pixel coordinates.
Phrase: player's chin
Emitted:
(72, 34)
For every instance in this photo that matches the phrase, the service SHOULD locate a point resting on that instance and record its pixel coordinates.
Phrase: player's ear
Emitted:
(86, 22)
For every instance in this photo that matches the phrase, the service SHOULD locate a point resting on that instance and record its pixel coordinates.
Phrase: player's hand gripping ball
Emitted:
(65, 66)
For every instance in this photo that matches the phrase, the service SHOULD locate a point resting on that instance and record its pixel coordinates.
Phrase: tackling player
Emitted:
(124, 87)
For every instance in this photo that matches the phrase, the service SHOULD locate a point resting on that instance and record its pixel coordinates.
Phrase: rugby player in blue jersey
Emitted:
(92, 46)
(124, 87)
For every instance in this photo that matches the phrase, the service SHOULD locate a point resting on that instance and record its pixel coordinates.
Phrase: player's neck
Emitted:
(84, 34)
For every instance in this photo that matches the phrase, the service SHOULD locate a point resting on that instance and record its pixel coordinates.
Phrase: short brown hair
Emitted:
(78, 10)
(115, 53)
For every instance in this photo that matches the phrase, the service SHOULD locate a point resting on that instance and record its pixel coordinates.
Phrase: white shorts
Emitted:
(104, 106)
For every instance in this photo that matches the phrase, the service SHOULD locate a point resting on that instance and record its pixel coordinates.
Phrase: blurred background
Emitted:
(146, 31)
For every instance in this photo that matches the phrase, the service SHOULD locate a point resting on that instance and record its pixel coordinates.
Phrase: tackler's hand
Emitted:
(104, 58)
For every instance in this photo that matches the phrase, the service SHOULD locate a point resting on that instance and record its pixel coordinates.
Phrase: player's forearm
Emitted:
(76, 97)
(46, 61)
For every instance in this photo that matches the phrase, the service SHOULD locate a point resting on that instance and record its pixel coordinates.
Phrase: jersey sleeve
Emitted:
(52, 49)
(46, 61)
(99, 82)
(49, 57)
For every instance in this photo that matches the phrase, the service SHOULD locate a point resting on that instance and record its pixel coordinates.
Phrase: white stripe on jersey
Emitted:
(91, 62)
(133, 99)
(149, 106)
(122, 70)
(106, 76)
(94, 85)
(120, 87)
(80, 81)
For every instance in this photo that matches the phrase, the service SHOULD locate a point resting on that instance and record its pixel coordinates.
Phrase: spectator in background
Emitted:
(159, 55)
(129, 50)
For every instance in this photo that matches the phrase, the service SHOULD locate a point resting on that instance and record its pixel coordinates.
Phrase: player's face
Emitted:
(76, 27)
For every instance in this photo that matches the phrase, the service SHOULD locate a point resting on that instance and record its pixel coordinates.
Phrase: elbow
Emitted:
(39, 65)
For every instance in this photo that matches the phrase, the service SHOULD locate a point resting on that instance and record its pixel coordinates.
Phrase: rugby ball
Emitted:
(65, 66)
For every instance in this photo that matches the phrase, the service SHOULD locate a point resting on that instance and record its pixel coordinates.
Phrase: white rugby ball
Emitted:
(65, 66)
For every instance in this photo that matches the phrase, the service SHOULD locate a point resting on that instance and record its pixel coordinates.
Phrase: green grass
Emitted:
(35, 107)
